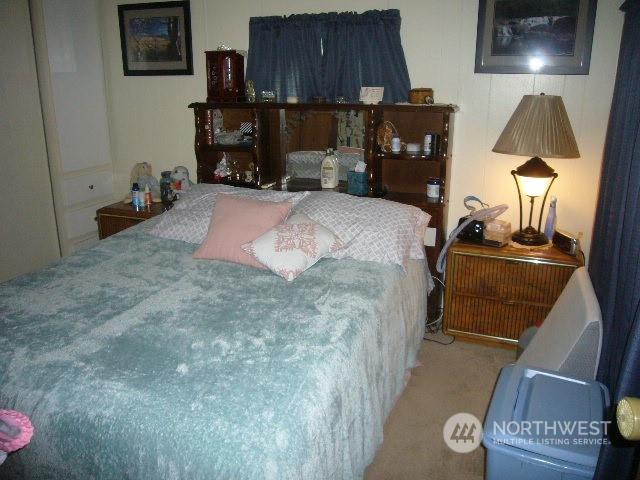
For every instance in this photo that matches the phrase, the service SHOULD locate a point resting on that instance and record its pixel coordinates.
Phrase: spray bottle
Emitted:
(550, 224)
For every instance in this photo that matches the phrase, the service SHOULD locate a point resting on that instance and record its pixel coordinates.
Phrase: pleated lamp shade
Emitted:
(539, 127)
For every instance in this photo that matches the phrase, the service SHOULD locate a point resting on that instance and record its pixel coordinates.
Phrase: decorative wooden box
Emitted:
(225, 76)
(494, 294)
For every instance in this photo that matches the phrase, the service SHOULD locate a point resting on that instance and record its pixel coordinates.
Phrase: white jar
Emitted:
(395, 144)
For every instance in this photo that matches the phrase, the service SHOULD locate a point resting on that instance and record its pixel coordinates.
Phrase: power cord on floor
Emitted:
(432, 327)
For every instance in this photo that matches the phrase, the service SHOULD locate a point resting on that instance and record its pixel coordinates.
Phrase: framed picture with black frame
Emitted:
(535, 36)
(156, 38)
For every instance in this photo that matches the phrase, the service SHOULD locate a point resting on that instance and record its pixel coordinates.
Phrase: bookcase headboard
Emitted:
(279, 128)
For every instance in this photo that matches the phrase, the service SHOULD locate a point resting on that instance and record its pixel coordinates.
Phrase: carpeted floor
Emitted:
(452, 379)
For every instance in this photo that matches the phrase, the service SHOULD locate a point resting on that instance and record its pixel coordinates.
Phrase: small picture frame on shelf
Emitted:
(371, 95)
(155, 38)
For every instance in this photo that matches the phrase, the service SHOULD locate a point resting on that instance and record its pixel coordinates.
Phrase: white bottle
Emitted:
(396, 145)
(550, 224)
(329, 170)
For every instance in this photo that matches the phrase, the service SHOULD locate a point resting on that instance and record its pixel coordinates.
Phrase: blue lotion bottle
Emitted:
(135, 197)
(550, 224)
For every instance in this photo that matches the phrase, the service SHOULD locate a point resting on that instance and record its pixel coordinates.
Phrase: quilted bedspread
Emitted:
(135, 361)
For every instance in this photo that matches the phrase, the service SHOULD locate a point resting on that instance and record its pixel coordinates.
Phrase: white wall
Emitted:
(28, 238)
(150, 121)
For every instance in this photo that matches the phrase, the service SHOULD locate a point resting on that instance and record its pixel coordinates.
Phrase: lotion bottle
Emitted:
(550, 224)
(135, 196)
(329, 170)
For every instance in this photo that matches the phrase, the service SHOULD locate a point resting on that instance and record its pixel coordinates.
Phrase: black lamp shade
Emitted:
(535, 168)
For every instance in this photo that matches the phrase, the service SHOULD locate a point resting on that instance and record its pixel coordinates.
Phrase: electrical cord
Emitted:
(453, 339)
(432, 327)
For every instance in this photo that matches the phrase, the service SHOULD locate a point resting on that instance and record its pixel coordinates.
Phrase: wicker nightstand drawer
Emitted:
(473, 316)
(508, 279)
(495, 294)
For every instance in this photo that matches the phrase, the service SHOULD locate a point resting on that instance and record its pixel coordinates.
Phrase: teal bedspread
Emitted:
(135, 361)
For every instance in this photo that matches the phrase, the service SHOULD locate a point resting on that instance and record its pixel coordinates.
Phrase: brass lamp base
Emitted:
(530, 236)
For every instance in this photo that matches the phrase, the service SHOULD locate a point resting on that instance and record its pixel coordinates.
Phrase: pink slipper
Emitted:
(15, 430)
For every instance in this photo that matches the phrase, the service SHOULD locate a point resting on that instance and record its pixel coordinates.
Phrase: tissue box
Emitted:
(497, 233)
(357, 183)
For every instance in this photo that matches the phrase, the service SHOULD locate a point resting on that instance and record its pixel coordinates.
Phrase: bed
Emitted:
(133, 360)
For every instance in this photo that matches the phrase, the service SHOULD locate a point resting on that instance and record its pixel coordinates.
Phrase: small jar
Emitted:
(396, 146)
(166, 194)
(433, 188)
(428, 144)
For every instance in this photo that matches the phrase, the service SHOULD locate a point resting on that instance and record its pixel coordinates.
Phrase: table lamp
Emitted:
(538, 128)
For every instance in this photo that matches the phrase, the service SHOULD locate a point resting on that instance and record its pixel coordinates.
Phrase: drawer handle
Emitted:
(508, 302)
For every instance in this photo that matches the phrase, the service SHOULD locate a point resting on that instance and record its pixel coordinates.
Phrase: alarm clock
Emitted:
(567, 242)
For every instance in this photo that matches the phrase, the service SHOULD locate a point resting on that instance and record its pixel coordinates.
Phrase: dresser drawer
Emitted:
(80, 222)
(509, 280)
(89, 187)
(501, 320)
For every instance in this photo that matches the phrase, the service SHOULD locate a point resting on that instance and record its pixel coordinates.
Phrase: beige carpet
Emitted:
(454, 378)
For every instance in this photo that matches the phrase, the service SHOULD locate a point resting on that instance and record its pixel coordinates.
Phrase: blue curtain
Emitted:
(285, 55)
(328, 54)
(365, 50)
(614, 265)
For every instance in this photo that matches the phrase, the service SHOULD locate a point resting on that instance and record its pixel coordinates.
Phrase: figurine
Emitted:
(251, 92)
(222, 170)
(180, 179)
(141, 173)
(217, 121)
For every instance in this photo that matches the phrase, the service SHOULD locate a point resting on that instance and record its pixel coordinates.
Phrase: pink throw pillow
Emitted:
(236, 221)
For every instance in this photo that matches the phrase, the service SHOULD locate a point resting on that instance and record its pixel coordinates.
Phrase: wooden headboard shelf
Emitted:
(279, 128)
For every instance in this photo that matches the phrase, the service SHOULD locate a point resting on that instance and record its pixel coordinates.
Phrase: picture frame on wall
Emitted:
(156, 38)
(535, 36)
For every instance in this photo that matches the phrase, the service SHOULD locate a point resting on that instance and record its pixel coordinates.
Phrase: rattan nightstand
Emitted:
(494, 294)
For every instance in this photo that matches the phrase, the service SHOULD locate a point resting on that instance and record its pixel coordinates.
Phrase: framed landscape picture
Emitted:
(535, 36)
(156, 38)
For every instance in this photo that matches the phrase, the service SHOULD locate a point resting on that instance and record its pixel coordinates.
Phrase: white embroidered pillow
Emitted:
(294, 246)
